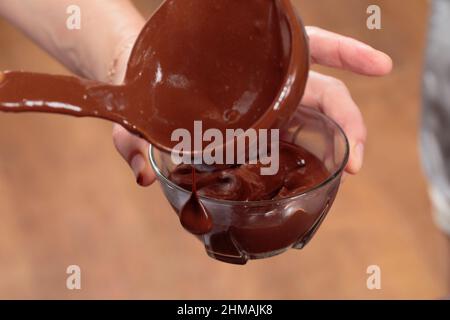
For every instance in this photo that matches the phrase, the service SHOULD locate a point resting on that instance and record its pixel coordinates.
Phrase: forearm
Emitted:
(107, 28)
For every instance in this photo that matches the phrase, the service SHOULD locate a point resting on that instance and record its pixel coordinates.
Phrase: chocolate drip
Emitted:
(193, 216)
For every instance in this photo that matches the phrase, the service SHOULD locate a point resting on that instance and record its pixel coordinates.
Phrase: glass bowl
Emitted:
(244, 230)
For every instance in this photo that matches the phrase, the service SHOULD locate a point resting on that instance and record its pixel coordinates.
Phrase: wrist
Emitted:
(111, 47)
(117, 66)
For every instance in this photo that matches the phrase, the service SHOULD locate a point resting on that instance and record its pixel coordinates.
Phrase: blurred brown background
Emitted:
(67, 198)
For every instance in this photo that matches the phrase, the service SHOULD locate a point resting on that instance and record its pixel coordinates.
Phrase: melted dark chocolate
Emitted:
(267, 232)
(231, 64)
(299, 171)
(194, 217)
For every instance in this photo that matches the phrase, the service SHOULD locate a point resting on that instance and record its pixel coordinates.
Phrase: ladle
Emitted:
(230, 63)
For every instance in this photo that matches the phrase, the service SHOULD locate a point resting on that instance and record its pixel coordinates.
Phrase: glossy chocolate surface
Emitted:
(231, 64)
(299, 171)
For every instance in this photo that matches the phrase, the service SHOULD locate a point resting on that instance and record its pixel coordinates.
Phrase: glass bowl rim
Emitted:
(162, 178)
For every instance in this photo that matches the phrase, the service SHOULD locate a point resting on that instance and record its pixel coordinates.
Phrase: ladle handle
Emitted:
(35, 92)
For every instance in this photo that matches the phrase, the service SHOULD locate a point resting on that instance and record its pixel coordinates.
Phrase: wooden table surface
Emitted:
(67, 198)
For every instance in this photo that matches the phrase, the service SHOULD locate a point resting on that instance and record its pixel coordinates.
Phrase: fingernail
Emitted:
(358, 156)
(140, 179)
(137, 164)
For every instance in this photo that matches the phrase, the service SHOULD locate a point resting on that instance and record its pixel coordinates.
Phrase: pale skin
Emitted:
(100, 51)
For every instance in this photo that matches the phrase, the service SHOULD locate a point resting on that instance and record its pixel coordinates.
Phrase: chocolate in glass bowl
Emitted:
(244, 230)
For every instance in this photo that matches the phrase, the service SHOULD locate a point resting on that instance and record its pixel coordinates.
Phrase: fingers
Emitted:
(134, 150)
(337, 51)
(331, 95)
(333, 98)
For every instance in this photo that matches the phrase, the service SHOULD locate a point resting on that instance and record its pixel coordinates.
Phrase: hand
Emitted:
(99, 53)
(331, 96)
(328, 94)
(133, 149)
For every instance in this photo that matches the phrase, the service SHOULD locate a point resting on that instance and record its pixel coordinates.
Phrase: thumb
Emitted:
(134, 151)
